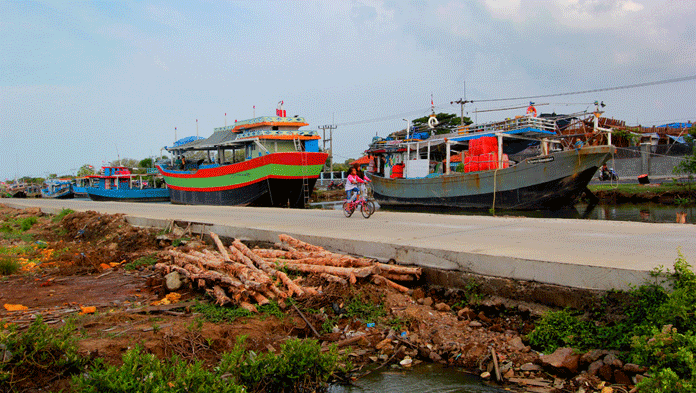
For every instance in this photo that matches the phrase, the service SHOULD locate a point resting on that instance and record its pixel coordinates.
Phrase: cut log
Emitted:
(337, 271)
(398, 277)
(332, 278)
(377, 279)
(284, 246)
(220, 296)
(292, 287)
(260, 299)
(298, 244)
(248, 306)
(220, 246)
(416, 271)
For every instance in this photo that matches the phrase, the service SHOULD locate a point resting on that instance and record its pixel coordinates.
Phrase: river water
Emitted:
(645, 212)
(423, 378)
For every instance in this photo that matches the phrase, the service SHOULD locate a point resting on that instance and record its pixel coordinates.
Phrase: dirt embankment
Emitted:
(102, 270)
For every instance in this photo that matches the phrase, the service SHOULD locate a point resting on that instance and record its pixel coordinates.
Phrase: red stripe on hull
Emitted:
(291, 158)
(210, 189)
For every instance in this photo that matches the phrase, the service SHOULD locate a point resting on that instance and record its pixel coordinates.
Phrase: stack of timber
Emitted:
(243, 276)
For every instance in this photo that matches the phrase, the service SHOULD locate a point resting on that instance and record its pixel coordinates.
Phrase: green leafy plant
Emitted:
(365, 310)
(8, 266)
(59, 217)
(148, 260)
(301, 365)
(145, 373)
(38, 353)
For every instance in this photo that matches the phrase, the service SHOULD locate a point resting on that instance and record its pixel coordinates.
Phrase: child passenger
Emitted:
(352, 184)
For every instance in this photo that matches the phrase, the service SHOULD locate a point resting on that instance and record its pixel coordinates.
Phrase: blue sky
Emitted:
(81, 80)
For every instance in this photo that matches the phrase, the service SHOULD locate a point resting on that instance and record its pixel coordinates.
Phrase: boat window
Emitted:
(275, 128)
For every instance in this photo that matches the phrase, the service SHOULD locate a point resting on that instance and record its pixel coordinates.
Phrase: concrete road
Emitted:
(576, 253)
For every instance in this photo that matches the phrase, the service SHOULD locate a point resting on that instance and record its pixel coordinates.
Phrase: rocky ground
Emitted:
(101, 270)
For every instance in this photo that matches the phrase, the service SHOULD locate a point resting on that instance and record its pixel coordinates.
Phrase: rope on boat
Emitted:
(495, 183)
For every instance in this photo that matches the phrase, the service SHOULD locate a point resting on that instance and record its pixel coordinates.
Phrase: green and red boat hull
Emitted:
(277, 179)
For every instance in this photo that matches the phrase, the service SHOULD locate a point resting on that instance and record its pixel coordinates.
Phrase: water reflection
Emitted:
(646, 212)
(424, 378)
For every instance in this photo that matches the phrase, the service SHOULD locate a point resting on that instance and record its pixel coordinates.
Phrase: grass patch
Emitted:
(216, 314)
(658, 330)
(147, 260)
(8, 266)
(365, 310)
(40, 353)
(145, 373)
(59, 217)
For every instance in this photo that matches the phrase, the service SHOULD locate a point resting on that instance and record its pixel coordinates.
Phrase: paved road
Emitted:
(576, 253)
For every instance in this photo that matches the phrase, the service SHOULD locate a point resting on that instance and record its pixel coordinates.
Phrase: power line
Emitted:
(644, 84)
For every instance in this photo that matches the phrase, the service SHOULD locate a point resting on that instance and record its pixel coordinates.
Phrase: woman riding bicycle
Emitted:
(352, 184)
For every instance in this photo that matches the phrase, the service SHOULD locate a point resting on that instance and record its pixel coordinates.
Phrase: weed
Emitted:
(38, 353)
(216, 314)
(8, 266)
(177, 242)
(145, 373)
(300, 366)
(148, 260)
(59, 217)
(365, 310)
(26, 223)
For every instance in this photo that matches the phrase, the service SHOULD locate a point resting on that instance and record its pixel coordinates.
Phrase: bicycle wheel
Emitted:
(371, 204)
(348, 209)
(365, 210)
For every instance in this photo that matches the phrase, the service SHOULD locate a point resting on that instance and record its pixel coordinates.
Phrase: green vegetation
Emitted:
(59, 217)
(658, 330)
(8, 266)
(637, 188)
(447, 123)
(39, 353)
(364, 310)
(300, 366)
(143, 372)
(213, 313)
(147, 260)
(15, 228)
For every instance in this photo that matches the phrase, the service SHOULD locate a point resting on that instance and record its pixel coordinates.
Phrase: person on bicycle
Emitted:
(352, 184)
(365, 180)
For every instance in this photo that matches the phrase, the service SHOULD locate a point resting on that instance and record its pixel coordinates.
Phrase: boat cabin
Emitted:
(245, 140)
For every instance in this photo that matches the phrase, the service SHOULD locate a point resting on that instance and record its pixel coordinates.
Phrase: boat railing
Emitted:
(517, 123)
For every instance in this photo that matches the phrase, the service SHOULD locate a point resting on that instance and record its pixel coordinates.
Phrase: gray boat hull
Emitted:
(547, 182)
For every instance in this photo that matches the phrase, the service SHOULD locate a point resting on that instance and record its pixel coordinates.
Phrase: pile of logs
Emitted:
(242, 276)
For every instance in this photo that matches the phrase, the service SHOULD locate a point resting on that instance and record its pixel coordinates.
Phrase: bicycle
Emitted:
(367, 206)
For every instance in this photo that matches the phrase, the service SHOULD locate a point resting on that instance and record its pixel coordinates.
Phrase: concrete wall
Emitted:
(631, 167)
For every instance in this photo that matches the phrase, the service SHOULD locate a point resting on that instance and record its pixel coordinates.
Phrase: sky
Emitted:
(86, 82)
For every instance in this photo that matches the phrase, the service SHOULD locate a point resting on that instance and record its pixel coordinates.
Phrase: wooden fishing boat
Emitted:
(264, 161)
(117, 183)
(494, 173)
(58, 189)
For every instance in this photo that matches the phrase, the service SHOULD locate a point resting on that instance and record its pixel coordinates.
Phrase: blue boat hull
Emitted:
(128, 195)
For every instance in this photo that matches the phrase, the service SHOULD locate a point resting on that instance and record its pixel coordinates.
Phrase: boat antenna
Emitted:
(225, 119)
(196, 127)
(117, 155)
(174, 134)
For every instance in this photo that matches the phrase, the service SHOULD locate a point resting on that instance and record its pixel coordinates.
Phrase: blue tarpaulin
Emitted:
(676, 125)
(677, 140)
(186, 140)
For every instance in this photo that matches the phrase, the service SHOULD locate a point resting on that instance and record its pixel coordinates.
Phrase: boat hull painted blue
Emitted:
(129, 195)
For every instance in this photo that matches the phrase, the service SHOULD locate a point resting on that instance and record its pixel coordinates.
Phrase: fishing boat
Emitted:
(58, 189)
(117, 183)
(264, 161)
(80, 187)
(522, 163)
(24, 190)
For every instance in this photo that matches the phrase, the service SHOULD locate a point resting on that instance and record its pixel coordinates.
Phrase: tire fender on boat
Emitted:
(432, 122)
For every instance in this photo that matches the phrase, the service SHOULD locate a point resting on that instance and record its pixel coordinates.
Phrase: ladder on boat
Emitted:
(304, 168)
(305, 180)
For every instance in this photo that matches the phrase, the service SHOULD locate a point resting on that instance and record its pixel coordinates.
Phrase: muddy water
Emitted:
(424, 378)
(645, 212)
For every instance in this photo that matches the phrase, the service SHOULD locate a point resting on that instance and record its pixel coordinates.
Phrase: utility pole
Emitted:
(330, 140)
(461, 102)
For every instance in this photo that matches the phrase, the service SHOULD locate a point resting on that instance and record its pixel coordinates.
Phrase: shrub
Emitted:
(144, 373)
(37, 354)
(8, 266)
(59, 217)
(301, 365)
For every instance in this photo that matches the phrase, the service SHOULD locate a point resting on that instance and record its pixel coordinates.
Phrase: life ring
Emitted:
(531, 110)
(432, 122)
